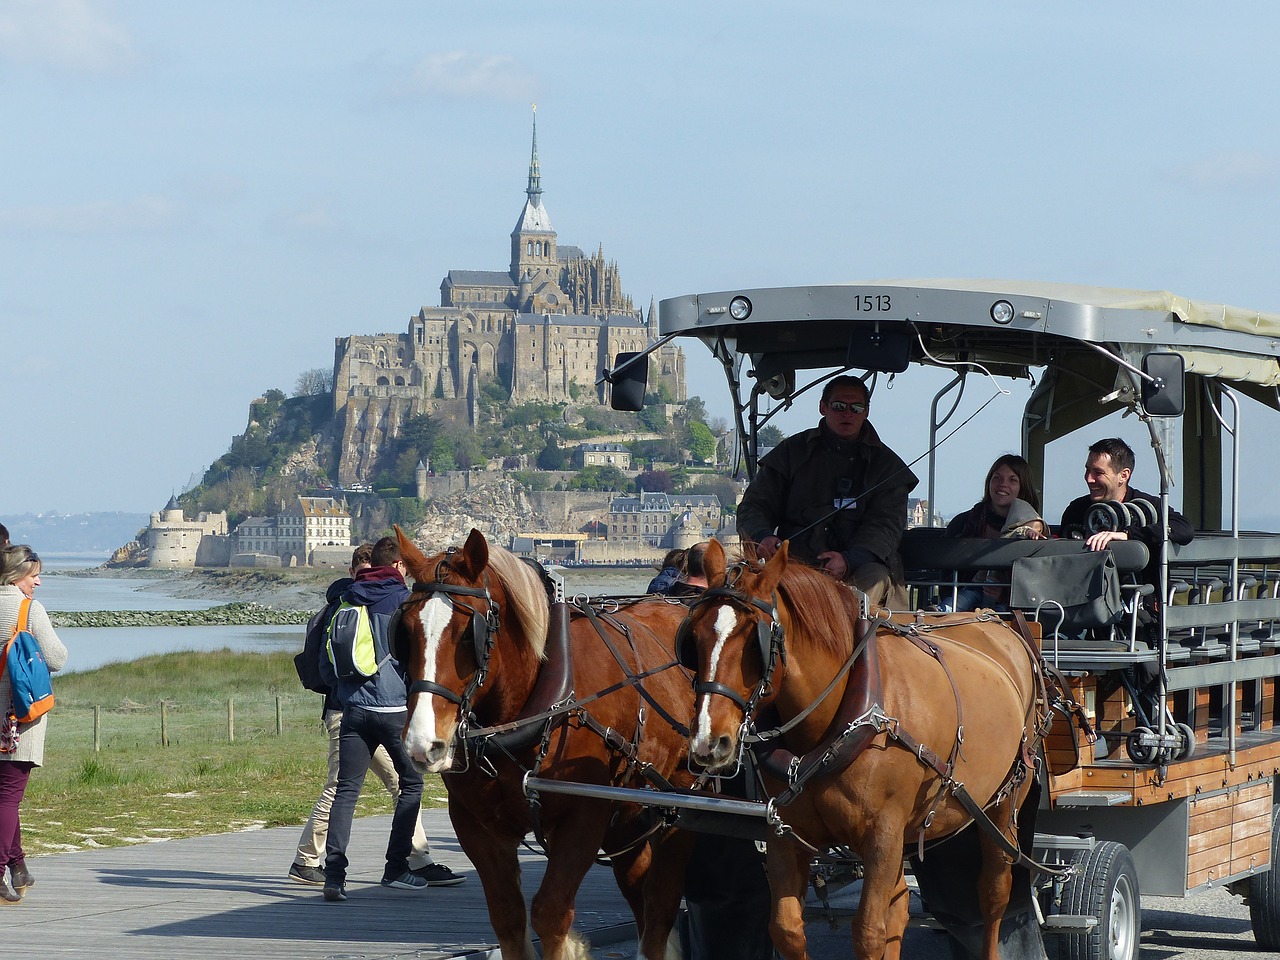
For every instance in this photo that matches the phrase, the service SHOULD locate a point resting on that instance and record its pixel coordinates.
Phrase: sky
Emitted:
(199, 198)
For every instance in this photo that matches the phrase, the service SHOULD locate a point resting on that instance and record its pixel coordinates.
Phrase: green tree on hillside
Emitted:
(702, 444)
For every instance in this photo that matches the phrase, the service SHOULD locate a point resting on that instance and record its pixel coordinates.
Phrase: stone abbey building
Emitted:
(544, 329)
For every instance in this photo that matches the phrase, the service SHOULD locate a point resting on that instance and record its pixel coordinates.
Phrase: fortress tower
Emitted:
(543, 329)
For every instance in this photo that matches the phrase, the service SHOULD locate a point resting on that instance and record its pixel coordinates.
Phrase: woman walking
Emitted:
(19, 577)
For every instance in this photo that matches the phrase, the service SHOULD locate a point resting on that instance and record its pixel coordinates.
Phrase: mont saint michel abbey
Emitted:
(544, 329)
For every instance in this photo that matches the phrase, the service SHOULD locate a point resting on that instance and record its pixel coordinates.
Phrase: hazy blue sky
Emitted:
(200, 197)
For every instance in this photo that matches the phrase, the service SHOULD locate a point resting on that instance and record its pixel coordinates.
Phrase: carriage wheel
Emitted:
(1264, 895)
(1104, 516)
(1188, 747)
(1138, 751)
(1105, 886)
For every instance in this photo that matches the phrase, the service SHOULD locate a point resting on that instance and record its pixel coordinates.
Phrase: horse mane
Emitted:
(822, 609)
(526, 595)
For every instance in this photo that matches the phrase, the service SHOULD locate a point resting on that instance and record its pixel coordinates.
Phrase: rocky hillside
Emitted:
(498, 508)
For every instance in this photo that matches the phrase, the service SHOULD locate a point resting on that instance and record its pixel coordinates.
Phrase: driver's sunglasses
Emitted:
(840, 406)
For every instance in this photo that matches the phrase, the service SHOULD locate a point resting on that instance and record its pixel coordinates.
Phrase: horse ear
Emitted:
(413, 559)
(768, 581)
(713, 563)
(471, 560)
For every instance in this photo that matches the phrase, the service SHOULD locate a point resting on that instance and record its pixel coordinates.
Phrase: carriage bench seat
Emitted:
(941, 561)
(926, 549)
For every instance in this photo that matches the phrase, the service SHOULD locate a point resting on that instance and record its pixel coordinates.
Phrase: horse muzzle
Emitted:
(714, 754)
(433, 756)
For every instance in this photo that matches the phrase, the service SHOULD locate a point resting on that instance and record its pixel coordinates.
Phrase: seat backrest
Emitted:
(1085, 583)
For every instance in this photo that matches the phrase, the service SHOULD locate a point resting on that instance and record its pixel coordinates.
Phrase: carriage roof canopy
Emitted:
(953, 318)
(1075, 334)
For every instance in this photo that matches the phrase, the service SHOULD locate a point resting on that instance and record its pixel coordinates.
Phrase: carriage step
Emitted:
(1093, 798)
(1069, 923)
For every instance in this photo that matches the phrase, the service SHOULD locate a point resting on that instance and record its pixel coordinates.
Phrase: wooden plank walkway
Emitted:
(227, 896)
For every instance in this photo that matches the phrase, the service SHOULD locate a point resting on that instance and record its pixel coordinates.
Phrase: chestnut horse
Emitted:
(472, 637)
(784, 635)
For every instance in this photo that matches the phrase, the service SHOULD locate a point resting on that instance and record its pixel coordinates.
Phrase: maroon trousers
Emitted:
(13, 784)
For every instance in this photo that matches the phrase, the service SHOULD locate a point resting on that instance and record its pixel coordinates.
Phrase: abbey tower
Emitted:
(544, 329)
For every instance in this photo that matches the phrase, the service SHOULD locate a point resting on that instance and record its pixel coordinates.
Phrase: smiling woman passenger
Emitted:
(1008, 482)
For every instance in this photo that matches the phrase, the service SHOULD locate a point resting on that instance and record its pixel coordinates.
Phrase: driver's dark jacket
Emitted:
(799, 481)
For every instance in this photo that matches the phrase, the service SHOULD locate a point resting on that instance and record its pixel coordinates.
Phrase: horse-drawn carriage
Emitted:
(892, 729)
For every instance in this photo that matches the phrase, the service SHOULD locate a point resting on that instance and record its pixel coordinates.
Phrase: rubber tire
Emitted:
(1264, 895)
(1137, 751)
(1105, 886)
(1188, 749)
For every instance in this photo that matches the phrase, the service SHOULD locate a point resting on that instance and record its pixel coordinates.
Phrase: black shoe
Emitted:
(303, 874)
(21, 878)
(335, 891)
(7, 895)
(438, 875)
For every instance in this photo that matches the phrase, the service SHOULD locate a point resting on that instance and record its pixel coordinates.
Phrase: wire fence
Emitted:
(168, 722)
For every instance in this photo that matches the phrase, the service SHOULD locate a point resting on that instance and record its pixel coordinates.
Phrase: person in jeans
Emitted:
(374, 712)
(308, 862)
(19, 577)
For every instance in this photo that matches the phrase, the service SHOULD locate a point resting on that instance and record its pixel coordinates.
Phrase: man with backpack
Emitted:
(308, 861)
(368, 681)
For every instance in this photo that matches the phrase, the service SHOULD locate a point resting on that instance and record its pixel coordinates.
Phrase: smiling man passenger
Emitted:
(838, 494)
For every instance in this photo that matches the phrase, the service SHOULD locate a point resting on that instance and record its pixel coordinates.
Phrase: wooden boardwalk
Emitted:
(227, 896)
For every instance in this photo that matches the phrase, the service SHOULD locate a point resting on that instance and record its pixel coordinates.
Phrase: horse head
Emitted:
(733, 639)
(466, 602)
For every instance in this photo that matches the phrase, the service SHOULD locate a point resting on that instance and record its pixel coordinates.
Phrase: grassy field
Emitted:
(134, 790)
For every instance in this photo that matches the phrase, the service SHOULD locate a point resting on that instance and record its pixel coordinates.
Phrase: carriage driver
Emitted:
(838, 494)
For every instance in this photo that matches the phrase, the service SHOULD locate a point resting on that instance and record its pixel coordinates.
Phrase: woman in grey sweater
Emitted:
(19, 577)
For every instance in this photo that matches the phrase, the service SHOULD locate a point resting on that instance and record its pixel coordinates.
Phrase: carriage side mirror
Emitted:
(628, 385)
(1163, 394)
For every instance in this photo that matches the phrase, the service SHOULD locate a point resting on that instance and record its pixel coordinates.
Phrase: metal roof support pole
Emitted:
(1231, 430)
(934, 426)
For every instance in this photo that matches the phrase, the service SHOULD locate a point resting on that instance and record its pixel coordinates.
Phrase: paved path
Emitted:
(227, 896)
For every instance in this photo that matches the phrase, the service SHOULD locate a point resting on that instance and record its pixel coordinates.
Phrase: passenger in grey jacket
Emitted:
(374, 711)
(838, 494)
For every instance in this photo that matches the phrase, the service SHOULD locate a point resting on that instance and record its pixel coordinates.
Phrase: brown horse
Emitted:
(472, 637)
(784, 635)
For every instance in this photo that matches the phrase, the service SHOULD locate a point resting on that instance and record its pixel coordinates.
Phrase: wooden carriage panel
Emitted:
(1229, 833)
(1201, 778)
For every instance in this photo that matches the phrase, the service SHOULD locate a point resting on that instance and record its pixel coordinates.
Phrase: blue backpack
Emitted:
(28, 673)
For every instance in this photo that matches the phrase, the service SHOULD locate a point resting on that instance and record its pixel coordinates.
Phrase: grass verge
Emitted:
(134, 790)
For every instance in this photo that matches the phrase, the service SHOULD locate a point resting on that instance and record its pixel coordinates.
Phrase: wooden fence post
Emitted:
(164, 724)
(97, 728)
(231, 721)
(279, 717)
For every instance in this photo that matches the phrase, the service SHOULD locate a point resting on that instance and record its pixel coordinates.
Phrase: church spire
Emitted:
(534, 190)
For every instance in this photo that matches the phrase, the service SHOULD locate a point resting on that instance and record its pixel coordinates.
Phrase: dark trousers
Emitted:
(362, 732)
(727, 895)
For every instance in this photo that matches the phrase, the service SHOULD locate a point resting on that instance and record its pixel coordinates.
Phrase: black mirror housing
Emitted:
(1165, 396)
(628, 387)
